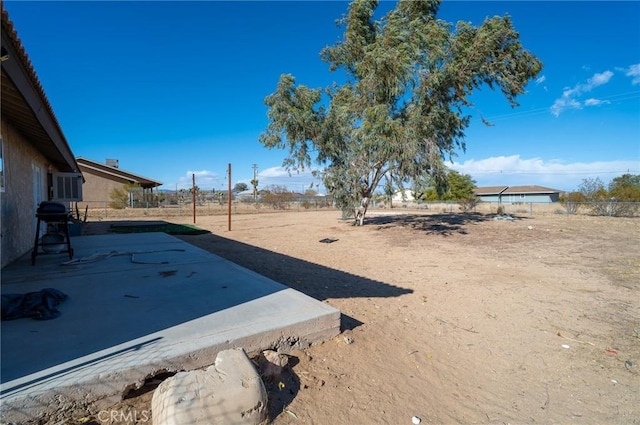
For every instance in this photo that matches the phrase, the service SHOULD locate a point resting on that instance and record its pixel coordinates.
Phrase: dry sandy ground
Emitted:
(452, 318)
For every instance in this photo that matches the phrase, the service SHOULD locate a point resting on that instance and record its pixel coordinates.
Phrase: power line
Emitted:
(614, 97)
(553, 173)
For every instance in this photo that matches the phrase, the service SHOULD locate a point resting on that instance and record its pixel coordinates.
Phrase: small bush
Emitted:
(119, 199)
(572, 202)
(469, 204)
(613, 208)
(278, 198)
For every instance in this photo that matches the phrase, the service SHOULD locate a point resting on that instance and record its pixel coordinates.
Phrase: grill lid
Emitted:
(51, 208)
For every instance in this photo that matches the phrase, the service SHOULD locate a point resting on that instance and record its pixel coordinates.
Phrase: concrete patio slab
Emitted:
(139, 305)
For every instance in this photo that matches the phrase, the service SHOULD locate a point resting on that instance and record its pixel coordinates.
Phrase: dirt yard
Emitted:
(455, 319)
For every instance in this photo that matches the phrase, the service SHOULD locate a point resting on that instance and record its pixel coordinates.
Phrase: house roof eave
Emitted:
(490, 190)
(116, 172)
(531, 190)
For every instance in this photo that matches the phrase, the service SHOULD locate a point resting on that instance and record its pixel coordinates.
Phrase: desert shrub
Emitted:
(613, 208)
(572, 202)
(119, 199)
(500, 210)
(278, 197)
(469, 203)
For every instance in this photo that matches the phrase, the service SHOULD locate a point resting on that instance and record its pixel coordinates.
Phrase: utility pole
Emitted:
(254, 182)
(229, 198)
(193, 196)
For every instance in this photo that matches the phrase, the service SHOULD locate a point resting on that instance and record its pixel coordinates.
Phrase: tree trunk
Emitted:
(362, 211)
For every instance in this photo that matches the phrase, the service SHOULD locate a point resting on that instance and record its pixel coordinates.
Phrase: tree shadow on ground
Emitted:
(313, 279)
(445, 224)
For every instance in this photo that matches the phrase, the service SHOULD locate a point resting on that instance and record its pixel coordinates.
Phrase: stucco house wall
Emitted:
(34, 149)
(490, 198)
(22, 194)
(536, 198)
(97, 189)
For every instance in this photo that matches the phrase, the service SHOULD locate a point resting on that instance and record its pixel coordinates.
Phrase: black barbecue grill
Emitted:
(56, 217)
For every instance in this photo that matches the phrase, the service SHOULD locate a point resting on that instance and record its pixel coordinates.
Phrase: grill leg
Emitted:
(34, 253)
(65, 227)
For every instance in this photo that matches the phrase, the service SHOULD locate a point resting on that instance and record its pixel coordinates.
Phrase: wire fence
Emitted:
(611, 208)
(102, 210)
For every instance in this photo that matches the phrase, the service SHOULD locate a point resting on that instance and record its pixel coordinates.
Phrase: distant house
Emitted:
(101, 179)
(36, 162)
(403, 196)
(491, 194)
(517, 194)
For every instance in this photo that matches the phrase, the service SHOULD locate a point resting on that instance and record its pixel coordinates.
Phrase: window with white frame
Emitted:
(67, 187)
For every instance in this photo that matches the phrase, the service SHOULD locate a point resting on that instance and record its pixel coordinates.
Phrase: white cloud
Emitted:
(294, 182)
(276, 173)
(541, 80)
(595, 102)
(598, 80)
(634, 72)
(514, 171)
(563, 104)
(568, 99)
(205, 180)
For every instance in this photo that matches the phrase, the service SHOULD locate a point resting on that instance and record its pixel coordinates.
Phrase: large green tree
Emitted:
(240, 187)
(457, 187)
(626, 188)
(401, 110)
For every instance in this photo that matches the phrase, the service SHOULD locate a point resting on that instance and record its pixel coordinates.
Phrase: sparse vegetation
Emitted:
(572, 202)
(278, 197)
(469, 204)
(123, 197)
(620, 199)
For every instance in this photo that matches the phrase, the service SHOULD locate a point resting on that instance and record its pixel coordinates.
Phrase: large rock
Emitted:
(271, 364)
(229, 392)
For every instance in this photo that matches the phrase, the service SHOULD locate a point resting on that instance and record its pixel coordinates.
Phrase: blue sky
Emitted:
(176, 88)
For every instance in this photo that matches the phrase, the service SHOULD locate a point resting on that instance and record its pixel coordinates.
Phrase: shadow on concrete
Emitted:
(445, 224)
